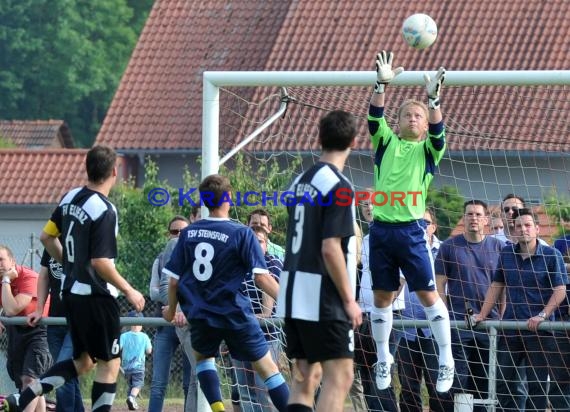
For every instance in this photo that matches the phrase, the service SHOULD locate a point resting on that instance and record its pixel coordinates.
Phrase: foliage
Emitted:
(262, 176)
(63, 59)
(558, 209)
(448, 205)
(6, 143)
(142, 226)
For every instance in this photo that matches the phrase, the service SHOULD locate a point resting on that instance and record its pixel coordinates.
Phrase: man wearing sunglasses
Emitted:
(511, 203)
(166, 339)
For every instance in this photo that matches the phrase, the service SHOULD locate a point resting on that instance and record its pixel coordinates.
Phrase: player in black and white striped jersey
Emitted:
(88, 224)
(317, 294)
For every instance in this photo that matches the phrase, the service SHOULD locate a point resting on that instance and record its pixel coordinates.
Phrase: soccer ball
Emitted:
(419, 31)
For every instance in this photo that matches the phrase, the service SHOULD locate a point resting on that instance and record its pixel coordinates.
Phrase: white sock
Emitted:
(438, 318)
(382, 320)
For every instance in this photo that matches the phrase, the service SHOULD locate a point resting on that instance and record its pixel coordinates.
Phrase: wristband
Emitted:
(6, 279)
(433, 103)
(379, 88)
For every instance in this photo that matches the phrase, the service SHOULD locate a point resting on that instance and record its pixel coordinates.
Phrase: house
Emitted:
(32, 183)
(501, 139)
(37, 134)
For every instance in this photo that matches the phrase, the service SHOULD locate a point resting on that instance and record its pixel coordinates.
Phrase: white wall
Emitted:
(20, 230)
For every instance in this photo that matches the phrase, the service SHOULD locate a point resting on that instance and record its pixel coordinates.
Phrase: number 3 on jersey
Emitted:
(203, 255)
(298, 235)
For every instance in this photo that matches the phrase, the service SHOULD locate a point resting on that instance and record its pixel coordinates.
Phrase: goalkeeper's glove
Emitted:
(384, 72)
(433, 87)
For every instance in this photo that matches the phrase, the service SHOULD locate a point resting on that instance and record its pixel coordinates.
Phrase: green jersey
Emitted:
(403, 170)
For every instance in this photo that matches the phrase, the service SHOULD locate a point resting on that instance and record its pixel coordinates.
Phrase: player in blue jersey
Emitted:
(207, 271)
(404, 166)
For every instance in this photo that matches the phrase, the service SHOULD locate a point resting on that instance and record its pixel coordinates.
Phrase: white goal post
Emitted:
(214, 81)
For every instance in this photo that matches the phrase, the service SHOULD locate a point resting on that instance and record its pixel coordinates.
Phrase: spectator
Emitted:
(559, 390)
(464, 269)
(28, 354)
(260, 217)
(509, 206)
(252, 394)
(533, 278)
(166, 339)
(498, 228)
(135, 345)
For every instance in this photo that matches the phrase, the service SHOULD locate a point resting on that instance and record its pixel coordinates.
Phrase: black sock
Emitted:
(102, 396)
(297, 407)
(55, 377)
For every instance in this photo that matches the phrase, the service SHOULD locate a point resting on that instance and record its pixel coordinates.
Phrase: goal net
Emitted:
(507, 133)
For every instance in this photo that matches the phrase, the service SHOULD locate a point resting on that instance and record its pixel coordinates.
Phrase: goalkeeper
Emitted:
(405, 163)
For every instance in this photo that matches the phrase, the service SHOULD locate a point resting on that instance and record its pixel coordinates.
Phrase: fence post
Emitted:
(492, 388)
(463, 402)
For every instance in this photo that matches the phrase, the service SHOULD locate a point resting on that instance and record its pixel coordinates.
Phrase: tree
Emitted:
(262, 176)
(142, 226)
(63, 59)
(6, 143)
(558, 209)
(447, 203)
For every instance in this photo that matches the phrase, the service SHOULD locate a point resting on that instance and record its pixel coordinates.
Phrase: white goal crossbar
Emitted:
(213, 80)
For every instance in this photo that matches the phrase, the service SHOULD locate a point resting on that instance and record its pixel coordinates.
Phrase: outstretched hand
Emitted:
(433, 87)
(384, 72)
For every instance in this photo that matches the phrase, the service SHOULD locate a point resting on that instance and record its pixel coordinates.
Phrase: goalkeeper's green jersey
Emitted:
(403, 170)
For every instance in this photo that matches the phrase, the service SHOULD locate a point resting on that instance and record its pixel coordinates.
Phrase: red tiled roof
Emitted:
(40, 176)
(159, 102)
(32, 134)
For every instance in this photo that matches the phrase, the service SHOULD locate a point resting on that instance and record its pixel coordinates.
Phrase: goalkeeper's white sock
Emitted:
(438, 318)
(382, 320)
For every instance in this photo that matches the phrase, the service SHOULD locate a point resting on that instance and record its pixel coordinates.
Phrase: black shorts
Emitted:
(94, 324)
(319, 341)
(28, 352)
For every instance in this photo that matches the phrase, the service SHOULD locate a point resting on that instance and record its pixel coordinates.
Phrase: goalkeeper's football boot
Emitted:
(384, 373)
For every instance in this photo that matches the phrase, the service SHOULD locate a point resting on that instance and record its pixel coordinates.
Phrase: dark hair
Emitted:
(176, 219)
(337, 130)
(432, 214)
(261, 212)
(213, 190)
(524, 212)
(260, 229)
(195, 210)
(99, 163)
(475, 202)
(513, 196)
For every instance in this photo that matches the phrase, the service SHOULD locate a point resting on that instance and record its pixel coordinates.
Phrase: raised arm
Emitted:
(433, 89)
(384, 75)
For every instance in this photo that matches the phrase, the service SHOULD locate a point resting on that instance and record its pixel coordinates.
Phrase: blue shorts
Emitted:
(395, 246)
(247, 344)
(135, 379)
